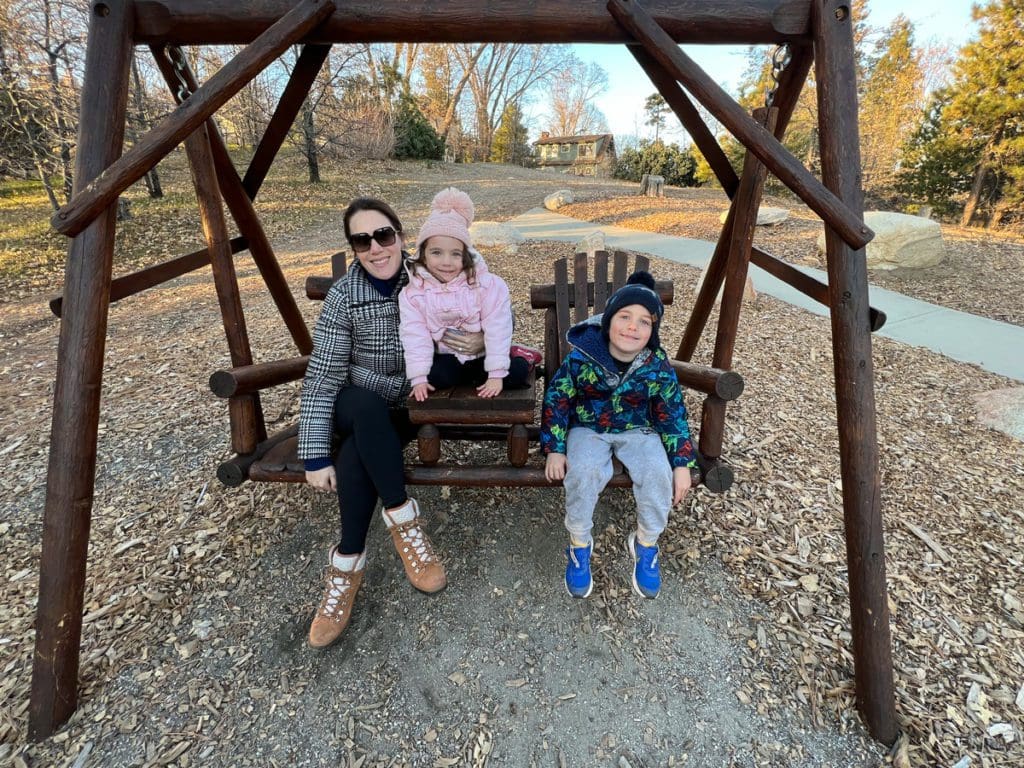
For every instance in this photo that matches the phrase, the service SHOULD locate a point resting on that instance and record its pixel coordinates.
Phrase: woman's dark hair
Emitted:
(370, 204)
(468, 261)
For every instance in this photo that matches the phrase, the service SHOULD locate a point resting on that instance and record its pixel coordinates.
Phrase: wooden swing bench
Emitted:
(459, 413)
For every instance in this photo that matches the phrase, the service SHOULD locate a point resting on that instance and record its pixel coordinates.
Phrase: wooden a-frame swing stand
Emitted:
(819, 32)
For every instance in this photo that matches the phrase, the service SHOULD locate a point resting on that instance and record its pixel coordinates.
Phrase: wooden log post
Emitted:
(76, 401)
(241, 207)
(86, 204)
(854, 372)
(762, 143)
(247, 427)
(745, 205)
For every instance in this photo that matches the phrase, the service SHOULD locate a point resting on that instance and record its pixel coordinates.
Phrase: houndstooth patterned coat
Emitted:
(355, 343)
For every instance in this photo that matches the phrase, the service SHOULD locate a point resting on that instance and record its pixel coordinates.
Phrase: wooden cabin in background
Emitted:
(591, 155)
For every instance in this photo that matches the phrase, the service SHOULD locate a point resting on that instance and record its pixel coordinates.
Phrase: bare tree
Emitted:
(571, 99)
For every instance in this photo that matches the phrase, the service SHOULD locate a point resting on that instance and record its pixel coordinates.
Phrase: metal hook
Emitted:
(781, 57)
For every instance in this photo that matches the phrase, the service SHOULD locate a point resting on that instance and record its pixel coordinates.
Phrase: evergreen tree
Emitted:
(510, 140)
(415, 138)
(657, 110)
(986, 109)
(676, 165)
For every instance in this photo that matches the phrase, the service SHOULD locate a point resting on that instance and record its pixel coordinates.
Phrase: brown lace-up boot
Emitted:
(422, 566)
(335, 609)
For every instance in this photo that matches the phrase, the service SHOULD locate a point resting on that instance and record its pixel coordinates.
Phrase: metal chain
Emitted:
(177, 57)
(781, 57)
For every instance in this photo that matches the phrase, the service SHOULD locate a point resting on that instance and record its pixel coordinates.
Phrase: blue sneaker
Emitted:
(646, 572)
(578, 581)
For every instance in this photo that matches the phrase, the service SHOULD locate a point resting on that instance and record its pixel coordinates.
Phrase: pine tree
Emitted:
(986, 108)
(510, 140)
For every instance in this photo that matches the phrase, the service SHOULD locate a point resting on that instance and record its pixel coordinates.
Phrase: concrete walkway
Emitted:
(992, 345)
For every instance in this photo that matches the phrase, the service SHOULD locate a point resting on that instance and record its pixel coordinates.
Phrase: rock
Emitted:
(749, 294)
(556, 200)
(495, 234)
(593, 242)
(901, 241)
(766, 216)
(1002, 409)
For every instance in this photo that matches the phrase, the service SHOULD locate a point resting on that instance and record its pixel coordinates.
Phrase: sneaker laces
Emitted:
(416, 544)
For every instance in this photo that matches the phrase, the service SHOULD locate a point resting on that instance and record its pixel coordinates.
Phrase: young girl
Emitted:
(451, 292)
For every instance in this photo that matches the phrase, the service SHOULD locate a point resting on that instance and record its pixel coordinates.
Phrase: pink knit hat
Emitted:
(451, 213)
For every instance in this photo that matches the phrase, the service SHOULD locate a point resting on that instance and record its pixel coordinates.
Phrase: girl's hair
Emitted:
(468, 264)
(370, 204)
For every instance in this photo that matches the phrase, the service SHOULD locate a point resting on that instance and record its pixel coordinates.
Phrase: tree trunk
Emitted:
(979, 182)
(309, 148)
(152, 178)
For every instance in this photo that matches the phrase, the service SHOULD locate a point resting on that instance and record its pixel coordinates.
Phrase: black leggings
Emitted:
(446, 371)
(369, 463)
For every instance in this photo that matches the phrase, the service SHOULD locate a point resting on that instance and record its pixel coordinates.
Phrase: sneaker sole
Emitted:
(632, 573)
(585, 594)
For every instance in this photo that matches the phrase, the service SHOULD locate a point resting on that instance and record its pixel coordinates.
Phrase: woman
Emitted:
(354, 388)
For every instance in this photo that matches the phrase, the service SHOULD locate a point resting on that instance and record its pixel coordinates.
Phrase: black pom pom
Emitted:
(641, 277)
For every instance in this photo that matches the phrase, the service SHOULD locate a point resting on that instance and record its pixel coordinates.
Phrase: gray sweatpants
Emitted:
(589, 468)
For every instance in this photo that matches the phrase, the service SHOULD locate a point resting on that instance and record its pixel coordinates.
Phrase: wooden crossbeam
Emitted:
(154, 146)
(758, 140)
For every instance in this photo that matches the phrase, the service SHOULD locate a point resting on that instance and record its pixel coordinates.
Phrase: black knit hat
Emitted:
(639, 289)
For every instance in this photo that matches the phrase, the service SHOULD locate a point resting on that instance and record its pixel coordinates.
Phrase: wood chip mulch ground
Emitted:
(167, 537)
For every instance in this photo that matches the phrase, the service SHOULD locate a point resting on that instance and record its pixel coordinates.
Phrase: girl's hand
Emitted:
(490, 388)
(323, 479)
(422, 391)
(554, 467)
(464, 342)
(681, 482)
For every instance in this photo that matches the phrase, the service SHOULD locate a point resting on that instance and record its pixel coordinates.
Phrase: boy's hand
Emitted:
(681, 482)
(421, 392)
(323, 479)
(490, 388)
(554, 467)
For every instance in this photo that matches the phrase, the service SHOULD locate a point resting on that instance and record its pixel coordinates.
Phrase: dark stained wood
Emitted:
(76, 406)
(87, 203)
(854, 373)
(727, 385)
(619, 271)
(259, 376)
(544, 296)
(562, 294)
(712, 425)
(518, 445)
(247, 428)
(462, 405)
(807, 285)
(715, 475)
(691, 119)
(704, 303)
(759, 141)
(245, 215)
(428, 440)
(235, 471)
(317, 287)
(136, 282)
(307, 67)
(747, 203)
(552, 343)
(339, 265)
(552, 21)
(791, 83)
(598, 294)
(579, 292)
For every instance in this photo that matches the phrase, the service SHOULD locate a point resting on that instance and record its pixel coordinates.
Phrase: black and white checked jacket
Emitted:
(355, 342)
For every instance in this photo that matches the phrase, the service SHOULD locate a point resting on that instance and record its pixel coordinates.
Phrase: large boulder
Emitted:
(556, 200)
(766, 216)
(496, 234)
(901, 241)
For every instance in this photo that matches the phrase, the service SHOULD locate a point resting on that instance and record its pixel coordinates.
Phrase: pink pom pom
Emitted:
(453, 200)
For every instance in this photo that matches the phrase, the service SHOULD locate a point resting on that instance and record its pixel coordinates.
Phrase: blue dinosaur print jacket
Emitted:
(588, 391)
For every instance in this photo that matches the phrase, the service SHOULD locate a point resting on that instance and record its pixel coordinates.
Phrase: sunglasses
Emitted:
(360, 241)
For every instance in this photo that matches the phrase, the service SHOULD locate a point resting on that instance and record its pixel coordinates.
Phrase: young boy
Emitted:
(616, 394)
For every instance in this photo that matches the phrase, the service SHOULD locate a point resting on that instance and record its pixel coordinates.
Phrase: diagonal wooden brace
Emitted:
(87, 204)
(755, 137)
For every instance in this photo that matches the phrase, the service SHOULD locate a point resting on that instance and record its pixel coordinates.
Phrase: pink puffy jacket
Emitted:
(429, 307)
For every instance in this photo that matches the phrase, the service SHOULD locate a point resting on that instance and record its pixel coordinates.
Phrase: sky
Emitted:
(944, 21)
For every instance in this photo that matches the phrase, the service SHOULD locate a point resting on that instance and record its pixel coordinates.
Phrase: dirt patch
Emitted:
(199, 596)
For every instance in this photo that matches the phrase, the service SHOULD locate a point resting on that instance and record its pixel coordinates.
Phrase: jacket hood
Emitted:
(421, 279)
